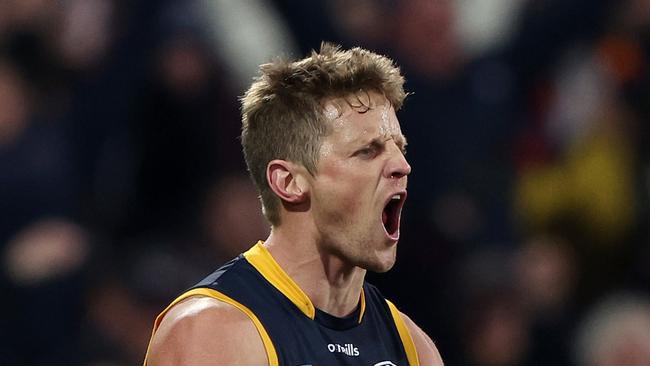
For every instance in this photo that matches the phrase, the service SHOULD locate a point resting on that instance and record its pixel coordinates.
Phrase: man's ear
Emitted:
(286, 180)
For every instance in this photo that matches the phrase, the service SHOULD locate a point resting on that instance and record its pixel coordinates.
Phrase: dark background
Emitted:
(525, 236)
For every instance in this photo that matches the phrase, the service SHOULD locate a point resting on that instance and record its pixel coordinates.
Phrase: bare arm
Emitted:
(427, 352)
(205, 331)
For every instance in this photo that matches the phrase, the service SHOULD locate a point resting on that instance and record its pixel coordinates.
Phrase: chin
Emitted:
(380, 267)
(379, 264)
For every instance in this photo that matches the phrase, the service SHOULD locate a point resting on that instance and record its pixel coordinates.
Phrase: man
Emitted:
(324, 147)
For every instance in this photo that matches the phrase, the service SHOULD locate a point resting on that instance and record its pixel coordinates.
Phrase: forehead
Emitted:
(362, 116)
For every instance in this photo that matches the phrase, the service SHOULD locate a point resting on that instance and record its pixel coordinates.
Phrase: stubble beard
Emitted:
(359, 251)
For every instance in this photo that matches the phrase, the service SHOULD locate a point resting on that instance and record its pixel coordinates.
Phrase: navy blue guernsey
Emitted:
(296, 333)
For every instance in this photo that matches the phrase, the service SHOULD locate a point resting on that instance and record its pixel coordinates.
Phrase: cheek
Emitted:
(342, 190)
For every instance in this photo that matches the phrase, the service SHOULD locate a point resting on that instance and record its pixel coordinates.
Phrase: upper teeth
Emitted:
(395, 197)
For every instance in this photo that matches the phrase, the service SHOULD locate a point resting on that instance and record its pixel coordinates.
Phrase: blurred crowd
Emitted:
(526, 237)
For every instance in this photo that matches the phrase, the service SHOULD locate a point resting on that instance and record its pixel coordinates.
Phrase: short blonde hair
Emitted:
(282, 112)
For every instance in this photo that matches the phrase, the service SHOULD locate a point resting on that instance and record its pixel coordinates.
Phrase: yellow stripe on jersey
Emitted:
(405, 336)
(363, 305)
(260, 258)
(268, 344)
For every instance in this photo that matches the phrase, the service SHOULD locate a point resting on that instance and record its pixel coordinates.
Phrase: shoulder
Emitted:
(201, 330)
(427, 350)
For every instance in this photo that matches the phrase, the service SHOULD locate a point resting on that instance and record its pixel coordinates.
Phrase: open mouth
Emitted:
(390, 216)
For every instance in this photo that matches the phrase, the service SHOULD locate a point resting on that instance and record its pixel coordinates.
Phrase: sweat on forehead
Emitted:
(359, 102)
(378, 123)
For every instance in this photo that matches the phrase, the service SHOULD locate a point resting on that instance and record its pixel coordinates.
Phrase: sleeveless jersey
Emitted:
(293, 331)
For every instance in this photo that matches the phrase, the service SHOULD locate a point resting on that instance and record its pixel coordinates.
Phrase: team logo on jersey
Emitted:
(347, 349)
(385, 363)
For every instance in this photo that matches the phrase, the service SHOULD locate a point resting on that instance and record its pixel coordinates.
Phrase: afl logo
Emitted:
(385, 363)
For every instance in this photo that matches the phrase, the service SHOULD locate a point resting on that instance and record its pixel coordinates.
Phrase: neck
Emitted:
(332, 285)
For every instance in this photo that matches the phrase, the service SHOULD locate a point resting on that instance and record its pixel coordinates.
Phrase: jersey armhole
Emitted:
(405, 336)
(268, 344)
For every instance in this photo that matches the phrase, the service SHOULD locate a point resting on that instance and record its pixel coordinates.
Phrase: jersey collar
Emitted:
(260, 258)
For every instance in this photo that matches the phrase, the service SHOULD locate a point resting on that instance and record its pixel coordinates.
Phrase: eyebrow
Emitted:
(400, 140)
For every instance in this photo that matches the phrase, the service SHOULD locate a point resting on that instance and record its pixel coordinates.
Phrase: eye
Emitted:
(368, 152)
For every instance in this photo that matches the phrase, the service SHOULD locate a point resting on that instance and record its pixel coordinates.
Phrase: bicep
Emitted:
(205, 331)
(427, 351)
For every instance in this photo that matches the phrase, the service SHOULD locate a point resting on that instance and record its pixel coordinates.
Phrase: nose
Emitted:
(397, 166)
